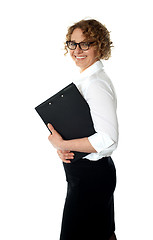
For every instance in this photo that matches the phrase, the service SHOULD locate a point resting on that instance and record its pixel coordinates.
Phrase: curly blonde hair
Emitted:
(96, 32)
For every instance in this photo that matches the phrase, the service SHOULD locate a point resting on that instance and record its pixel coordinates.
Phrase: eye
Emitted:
(72, 44)
(84, 44)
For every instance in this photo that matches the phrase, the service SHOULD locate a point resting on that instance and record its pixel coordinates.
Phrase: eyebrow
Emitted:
(78, 42)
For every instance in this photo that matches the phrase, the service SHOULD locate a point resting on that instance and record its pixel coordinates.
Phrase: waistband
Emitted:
(84, 164)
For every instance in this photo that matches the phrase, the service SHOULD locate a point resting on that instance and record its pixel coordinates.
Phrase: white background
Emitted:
(32, 68)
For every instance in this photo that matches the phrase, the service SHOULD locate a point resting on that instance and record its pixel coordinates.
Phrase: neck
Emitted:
(83, 69)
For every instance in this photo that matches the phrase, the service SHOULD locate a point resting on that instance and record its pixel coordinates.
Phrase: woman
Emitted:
(89, 206)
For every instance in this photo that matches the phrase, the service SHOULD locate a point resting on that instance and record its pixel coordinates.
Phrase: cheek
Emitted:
(92, 54)
(96, 54)
(71, 53)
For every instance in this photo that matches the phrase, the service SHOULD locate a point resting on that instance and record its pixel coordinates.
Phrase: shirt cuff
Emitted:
(100, 141)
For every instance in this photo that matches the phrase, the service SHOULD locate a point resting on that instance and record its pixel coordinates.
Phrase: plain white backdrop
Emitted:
(32, 68)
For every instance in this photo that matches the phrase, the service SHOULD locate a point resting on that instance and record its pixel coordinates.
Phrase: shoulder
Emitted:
(101, 84)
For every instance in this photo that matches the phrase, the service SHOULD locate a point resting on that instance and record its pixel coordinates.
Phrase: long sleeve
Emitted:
(98, 91)
(102, 101)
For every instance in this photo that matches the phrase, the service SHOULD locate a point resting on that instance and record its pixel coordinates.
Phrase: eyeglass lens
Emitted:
(83, 45)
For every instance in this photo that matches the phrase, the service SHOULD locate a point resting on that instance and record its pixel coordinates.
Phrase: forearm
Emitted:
(79, 145)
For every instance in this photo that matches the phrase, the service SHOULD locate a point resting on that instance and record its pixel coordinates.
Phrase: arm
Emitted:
(65, 146)
(80, 145)
(103, 111)
(102, 101)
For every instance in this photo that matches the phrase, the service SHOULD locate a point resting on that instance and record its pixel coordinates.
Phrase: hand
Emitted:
(65, 155)
(55, 138)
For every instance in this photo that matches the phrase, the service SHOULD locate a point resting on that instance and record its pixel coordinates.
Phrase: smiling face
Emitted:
(83, 59)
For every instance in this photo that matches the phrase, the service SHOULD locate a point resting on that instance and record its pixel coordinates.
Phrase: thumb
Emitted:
(50, 127)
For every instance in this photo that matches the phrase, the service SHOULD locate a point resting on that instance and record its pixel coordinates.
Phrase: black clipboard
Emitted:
(69, 113)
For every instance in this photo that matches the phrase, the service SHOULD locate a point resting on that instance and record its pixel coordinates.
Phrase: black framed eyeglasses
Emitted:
(82, 45)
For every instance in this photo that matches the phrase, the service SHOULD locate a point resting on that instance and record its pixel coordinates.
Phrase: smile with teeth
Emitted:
(82, 57)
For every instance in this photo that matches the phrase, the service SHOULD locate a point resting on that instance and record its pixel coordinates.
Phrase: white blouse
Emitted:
(97, 89)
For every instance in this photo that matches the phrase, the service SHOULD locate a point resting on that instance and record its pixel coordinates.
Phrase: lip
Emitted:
(80, 57)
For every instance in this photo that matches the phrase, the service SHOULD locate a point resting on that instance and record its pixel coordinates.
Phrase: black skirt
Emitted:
(89, 207)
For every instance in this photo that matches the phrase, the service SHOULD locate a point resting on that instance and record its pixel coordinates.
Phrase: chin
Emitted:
(80, 64)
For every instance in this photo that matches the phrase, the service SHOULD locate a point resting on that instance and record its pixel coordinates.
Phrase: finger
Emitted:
(66, 155)
(66, 161)
(51, 128)
(69, 156)
(63, 151)
(60, 152)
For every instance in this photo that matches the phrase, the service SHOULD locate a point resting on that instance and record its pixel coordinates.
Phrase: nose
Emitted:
(78, 49)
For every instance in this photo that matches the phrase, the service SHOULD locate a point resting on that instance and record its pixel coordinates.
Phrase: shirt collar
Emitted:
(89, 71)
